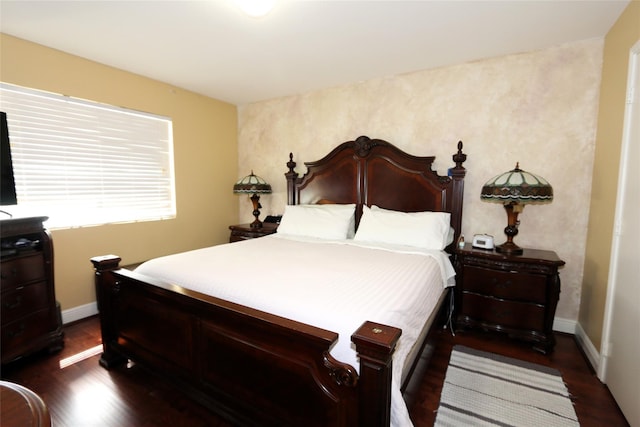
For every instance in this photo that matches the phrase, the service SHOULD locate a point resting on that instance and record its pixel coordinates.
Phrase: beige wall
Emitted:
(205, 150)
(618, 42)
(538, 108)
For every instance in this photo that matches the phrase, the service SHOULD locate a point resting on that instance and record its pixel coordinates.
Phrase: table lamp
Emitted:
(515, 189)
(253, 184)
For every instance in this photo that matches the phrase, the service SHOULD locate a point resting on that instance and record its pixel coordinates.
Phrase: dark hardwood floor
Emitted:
(83, 394)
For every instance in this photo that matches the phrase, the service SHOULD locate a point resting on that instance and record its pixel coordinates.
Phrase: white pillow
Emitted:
(450, 235)
(331, 221)
(426, 230)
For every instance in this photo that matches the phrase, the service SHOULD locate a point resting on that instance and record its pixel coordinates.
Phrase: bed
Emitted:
(258, 356)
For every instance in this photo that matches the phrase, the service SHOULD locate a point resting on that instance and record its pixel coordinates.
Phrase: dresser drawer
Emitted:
(22, 270)
(23, 333)
(506, 284)
(23, 301)
(508, 314)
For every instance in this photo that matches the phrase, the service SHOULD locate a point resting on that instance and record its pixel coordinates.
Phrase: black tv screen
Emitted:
(7, 181)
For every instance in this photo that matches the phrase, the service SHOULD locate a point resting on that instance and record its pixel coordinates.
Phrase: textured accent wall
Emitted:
(537, 108)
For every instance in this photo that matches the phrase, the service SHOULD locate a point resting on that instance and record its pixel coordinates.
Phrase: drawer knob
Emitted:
(12, 273)
(503, 285)
(499, 284)
(501, 314)
(18, 331)
(12, 305)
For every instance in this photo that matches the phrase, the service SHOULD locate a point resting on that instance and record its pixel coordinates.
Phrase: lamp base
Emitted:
(255, 199)
(511, 230)
(509, 248)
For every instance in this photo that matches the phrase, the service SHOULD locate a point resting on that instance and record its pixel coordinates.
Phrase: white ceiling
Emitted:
(211, 48)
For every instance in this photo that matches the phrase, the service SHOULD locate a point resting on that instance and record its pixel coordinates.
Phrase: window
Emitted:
(85, 163)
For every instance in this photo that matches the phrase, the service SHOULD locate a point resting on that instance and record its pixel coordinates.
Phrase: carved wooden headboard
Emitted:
(375, 172)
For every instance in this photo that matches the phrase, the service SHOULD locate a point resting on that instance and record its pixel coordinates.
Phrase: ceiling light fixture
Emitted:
(256, 8)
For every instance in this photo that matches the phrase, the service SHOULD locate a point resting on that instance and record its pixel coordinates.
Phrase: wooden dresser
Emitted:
(31, 318)
(516, 294)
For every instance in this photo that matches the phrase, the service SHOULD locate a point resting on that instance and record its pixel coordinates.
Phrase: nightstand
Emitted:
(245, 231)
(515, 294)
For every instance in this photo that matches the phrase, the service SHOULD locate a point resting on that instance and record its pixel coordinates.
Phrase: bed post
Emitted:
(106, 289)
(292, 176)
(457, 175)
(375, 344)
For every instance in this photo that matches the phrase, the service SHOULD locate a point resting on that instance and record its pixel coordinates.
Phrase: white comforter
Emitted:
(304, 279)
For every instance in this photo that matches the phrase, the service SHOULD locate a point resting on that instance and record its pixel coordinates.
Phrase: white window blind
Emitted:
(84, 163)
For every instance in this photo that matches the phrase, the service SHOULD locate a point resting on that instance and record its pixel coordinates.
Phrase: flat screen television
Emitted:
(7, 180)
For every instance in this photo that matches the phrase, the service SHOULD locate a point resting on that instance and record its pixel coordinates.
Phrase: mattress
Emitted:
(304, 279)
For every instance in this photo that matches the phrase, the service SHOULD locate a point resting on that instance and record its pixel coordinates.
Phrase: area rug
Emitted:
(485, 389)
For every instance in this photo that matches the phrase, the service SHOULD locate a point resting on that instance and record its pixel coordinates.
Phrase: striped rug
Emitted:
(485, 389)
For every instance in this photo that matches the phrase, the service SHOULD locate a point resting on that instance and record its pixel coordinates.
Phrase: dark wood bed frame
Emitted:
(255, 368)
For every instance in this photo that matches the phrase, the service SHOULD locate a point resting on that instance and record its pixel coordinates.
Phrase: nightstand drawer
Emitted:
(507, 314)
(245, 231)
(21, 270)
(23, 301)
(238, 235)
(506, 284)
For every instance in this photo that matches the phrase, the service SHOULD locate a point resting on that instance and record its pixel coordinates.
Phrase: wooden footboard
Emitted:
(251, 367)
